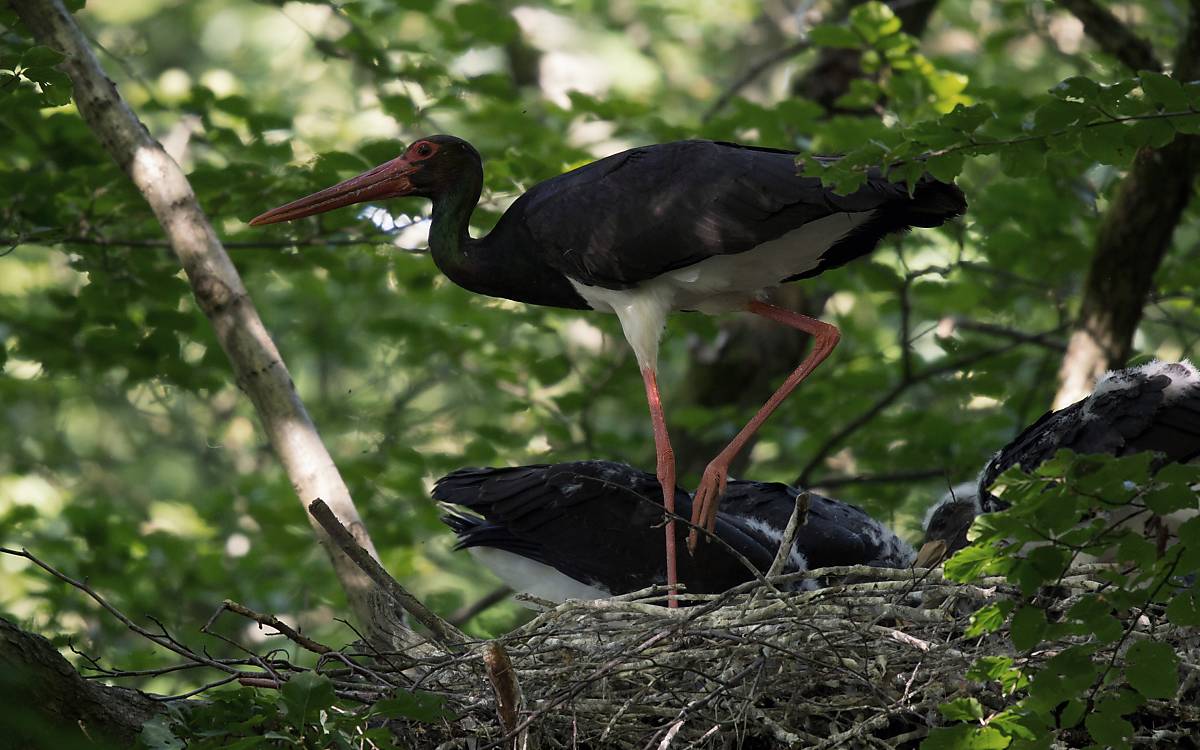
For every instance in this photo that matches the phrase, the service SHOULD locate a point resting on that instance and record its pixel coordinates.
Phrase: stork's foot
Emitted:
(706, 500)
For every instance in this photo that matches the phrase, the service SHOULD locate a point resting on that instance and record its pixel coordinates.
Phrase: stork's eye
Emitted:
(424, 149)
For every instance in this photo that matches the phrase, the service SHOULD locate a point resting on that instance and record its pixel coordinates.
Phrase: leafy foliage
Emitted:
(128, 457)
(304, 713)
(1071, 509)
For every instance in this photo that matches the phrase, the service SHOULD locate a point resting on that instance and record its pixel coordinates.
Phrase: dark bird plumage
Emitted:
(599, 524)
(1155, 407)
(690, 225)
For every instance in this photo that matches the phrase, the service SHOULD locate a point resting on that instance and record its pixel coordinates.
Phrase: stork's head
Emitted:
(427, 168)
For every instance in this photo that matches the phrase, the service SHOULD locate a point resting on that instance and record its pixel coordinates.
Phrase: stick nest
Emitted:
(864, 662)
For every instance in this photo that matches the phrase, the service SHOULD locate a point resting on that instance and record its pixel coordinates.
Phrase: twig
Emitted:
(889, 396)
(798, 518)
(754, 71)
(270, 621)
(1113, 36)
(219, 291)
(467, 612)
(164, 639)
(503, 679)
(444, 632)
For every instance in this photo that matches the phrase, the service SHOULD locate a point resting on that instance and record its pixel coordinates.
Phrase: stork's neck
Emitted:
(449, 238)
(497, 265)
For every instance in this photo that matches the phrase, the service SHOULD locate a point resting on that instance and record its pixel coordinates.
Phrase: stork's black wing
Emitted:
(598, 522)
(657, 208)
(835, 533)
(1155, 407)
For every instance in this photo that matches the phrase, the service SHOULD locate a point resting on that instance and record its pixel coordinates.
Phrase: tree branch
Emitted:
(48, 704)
(444, 632)
(257, 364)
(1113, 36)
(1135, 235)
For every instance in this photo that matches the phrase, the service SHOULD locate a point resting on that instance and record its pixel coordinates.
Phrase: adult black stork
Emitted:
(1154, 407)
(691, 225)
(589, 529)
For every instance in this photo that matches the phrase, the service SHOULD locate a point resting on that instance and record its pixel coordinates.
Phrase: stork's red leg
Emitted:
(666, 473)
(712, 484)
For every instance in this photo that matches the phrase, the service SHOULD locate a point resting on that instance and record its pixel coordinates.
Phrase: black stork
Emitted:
(1154, 407)
(589, 530)
(690, 225)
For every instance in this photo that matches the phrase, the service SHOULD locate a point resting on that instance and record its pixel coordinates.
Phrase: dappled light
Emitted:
(173, 379)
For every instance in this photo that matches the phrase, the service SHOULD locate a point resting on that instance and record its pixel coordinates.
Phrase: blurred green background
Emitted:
(129, 458)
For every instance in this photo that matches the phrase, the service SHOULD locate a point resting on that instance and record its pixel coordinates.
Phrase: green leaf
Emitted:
(486, 21)
(305, 695)
(1155, 133)
(1163, 90)
(1024, 159)
(1137, 549)
(873, 20)
(424, 707)
(946, 167)
(1058, 114)
(828, 35)
(41, 57)
(1106, 144)
(1152, 668)
(965, 737)
(967, 119)
(988, 618)
(989, 667)
(156, 734)
(1028, 625)
(1171, 490)
(1109, 730)
(1077, 87)
(1184, 609)
(962, 709)
(970, 563)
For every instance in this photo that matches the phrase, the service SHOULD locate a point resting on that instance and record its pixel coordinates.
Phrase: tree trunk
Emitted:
(1135, 234)
(257, 363)
(45, 703)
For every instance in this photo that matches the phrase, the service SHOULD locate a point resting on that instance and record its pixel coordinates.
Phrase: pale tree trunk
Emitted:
(257, 364)
(1135, 234)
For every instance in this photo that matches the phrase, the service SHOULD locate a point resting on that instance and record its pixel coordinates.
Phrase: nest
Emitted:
(865, 661)
(855, 664)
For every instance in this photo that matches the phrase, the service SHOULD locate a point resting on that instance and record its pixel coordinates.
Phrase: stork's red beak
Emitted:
(389, 180)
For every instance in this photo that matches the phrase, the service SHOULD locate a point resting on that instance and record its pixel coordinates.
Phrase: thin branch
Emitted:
(1041, 339)
(270, 621)
(467, 612)
(1113, 36)
(890, 396)
(444, 632)
(750, 74)
(798, 518)
(163, 639)
(258, 366)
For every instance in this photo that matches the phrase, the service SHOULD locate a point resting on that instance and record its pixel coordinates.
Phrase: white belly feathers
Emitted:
(722, 283)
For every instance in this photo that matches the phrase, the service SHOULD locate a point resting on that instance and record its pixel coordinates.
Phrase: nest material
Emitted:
(862, 664)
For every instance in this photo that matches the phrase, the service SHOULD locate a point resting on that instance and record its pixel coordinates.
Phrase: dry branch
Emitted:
(444, 632)
(257, 364)
(862, 664)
